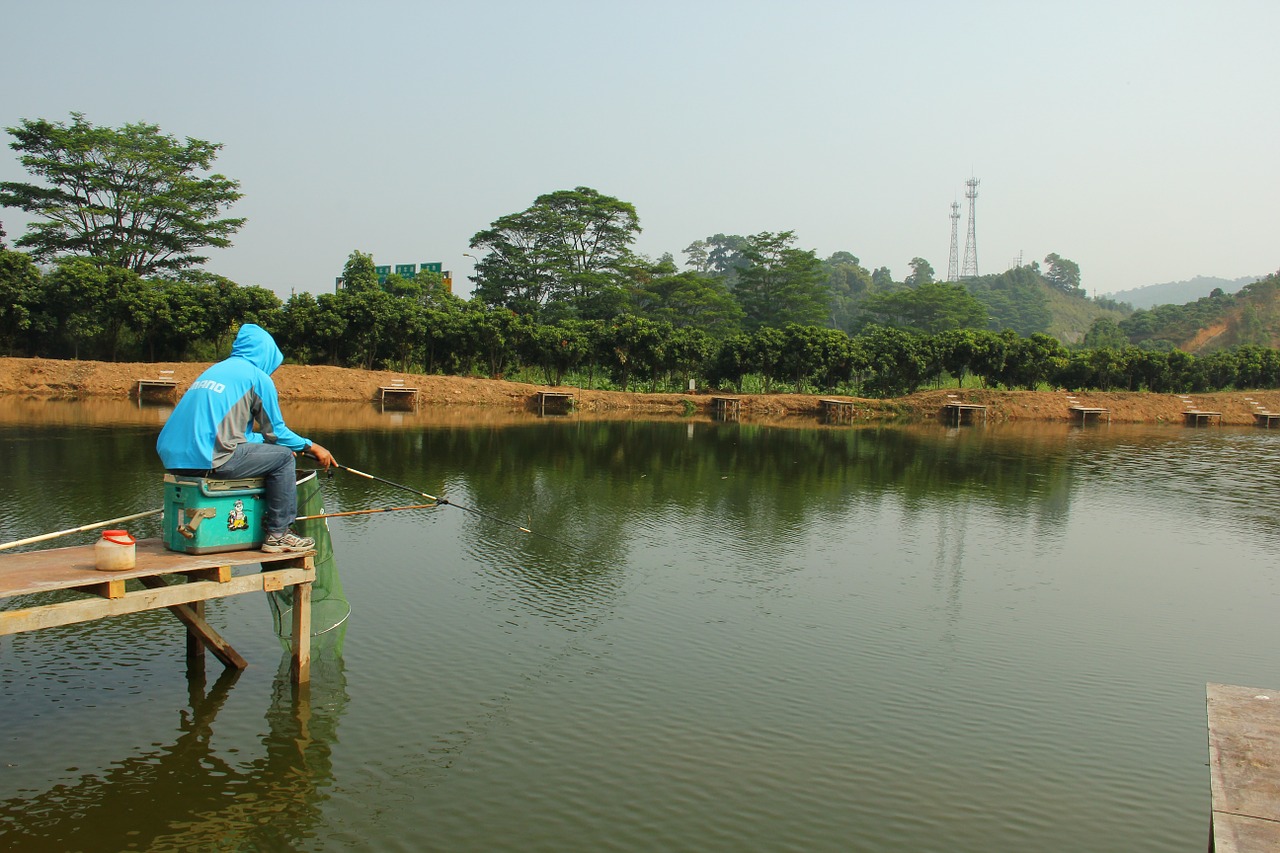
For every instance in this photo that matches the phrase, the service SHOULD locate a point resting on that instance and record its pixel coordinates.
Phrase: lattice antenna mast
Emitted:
(953, 259)
(970, 268)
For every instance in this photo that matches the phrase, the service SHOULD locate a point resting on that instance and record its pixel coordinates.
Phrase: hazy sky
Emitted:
(1139, 139)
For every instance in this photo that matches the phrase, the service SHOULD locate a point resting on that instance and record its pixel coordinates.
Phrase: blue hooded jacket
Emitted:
(221, 408)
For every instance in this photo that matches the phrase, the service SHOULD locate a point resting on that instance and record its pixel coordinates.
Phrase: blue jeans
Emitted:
(275, 464)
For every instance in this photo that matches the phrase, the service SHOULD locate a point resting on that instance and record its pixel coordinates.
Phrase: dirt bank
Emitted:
(38, 378)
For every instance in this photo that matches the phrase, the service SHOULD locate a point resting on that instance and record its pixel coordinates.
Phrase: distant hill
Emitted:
(1250, 316)
(1179, 292)
(1023, 300)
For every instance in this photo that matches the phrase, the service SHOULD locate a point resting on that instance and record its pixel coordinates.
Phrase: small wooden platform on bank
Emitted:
(1244, 768)
(959, 413)
(837, 411)
(1195, 417)
(399, 394)
(165, 386)
(1268, 420)
(207, 577)
(1085, 413)
(561, 402)
(726, 408)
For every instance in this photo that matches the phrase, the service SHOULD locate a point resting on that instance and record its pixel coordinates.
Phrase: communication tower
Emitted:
(953, 259)
(970, 268)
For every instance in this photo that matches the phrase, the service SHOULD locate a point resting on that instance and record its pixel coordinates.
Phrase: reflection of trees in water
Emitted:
(601, 485)
(186, 796)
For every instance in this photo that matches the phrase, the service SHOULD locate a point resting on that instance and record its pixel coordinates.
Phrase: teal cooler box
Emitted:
(205, 516)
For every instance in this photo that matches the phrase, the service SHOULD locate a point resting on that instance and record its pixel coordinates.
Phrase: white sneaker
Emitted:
(287, 542)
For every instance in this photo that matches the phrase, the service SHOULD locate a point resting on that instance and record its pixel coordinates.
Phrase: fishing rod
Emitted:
(42, 537)
(447, 502)
(364, 511)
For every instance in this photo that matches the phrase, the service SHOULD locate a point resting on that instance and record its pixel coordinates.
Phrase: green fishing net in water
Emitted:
(329, 606)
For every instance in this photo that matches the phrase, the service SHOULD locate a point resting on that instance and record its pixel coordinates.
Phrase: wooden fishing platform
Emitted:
(1244, 768)
(561, 402)
(398, 394)
(959, 413)
(206, 577)
(837, 411)
(1267, 420)
(165, 386)
(1196, 417)
(1085, 413)
(726, 408)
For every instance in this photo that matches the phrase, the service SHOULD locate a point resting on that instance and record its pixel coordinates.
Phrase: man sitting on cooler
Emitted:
(228, 425)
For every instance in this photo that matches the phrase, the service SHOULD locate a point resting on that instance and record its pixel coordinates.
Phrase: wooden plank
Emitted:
(1244, 767)
(218, 574)
(114, 588)
(197, 626)
(86, 610)
(72, 568)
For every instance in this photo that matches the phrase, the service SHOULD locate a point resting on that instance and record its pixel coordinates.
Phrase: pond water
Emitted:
(747, 637)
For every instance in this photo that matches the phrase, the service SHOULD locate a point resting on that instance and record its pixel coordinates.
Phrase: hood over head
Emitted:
(256, 345)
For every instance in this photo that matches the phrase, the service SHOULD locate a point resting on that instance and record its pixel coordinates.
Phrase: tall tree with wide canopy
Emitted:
(782, 284)
(565, 249)
(130, 197)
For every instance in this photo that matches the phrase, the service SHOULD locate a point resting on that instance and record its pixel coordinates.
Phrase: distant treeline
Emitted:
(81, 310)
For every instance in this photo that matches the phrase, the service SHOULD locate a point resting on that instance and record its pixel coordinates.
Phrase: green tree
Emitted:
(71, 302)
(19, 295)
(895, 359)
(921, 273)
(1063, 274)
(781, 284)
(1104, 333)
(566, 248)
(688, 300)
(359, 273)
(635, 345)
(803, 353)
(370, 315)
(130, 197)
(732, 361)
(929, 308)
(849, 283)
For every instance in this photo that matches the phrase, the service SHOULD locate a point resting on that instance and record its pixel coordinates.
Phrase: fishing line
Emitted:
(447, 502)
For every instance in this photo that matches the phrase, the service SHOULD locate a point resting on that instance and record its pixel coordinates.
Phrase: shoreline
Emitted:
(53, 379)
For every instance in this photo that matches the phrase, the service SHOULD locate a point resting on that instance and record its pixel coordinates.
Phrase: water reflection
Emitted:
(188, 794)
(757, 637)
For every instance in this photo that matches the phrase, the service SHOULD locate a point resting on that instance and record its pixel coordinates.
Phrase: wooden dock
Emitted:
(561, 402)
(164, 386)
(837, 411)
(1085, 413)
(1267, 420)
(726, 408)
(398, 394)
(959, 413)
(1196, 417)
(1244, 768)
(206, 577)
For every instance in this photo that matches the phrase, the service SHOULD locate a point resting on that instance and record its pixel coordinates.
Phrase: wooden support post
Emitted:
(196, 625)
(195, 645)
(300, 668)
